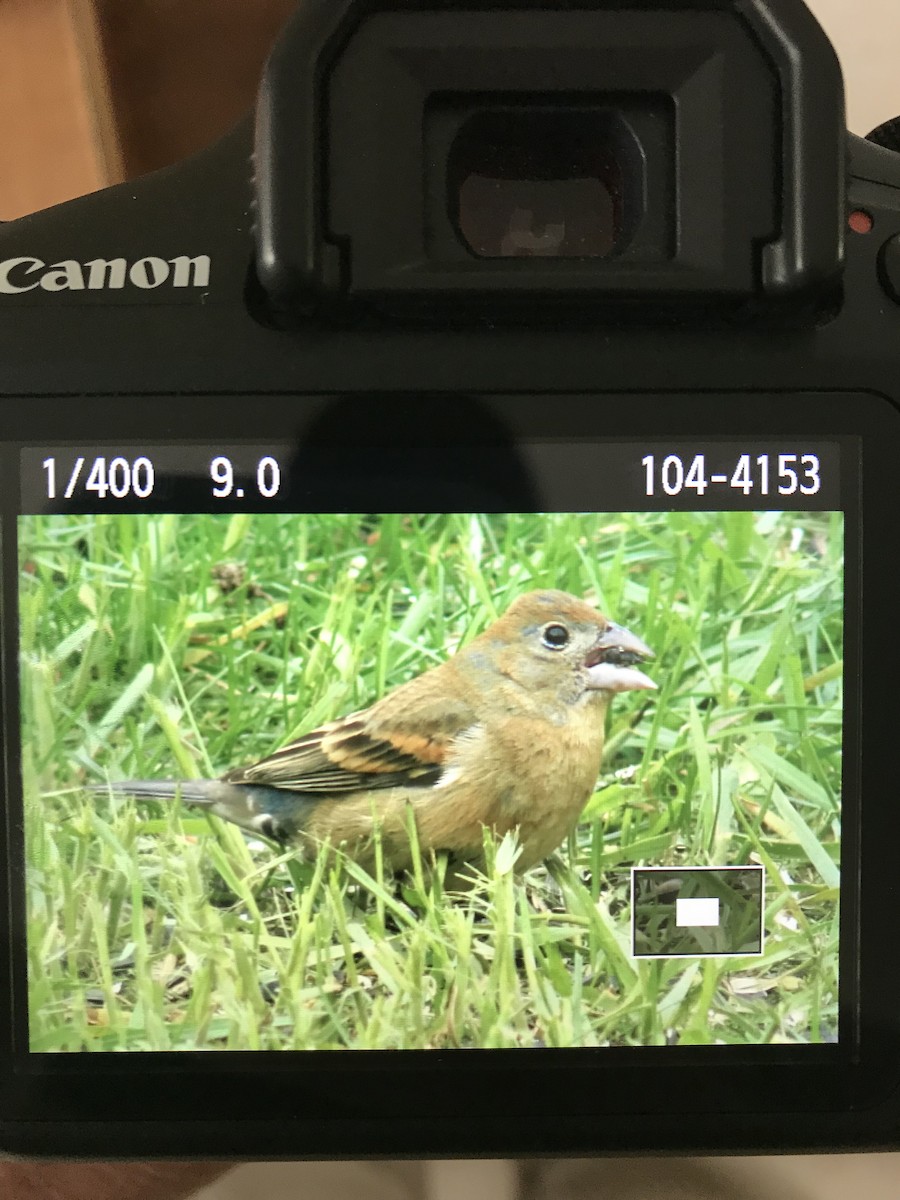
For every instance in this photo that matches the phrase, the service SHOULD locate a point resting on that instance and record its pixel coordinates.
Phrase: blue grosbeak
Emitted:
(507, 734)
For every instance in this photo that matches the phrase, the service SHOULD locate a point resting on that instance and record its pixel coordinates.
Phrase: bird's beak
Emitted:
(611, 662)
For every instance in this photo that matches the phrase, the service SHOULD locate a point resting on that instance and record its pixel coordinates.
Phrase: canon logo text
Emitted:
(27, 274)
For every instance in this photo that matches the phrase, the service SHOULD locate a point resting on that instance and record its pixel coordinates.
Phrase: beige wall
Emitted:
(867, 36)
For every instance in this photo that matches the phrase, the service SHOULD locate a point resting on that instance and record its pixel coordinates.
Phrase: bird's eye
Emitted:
(556, 636)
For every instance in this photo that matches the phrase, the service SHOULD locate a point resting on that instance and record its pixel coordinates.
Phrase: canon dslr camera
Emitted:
(449, 601)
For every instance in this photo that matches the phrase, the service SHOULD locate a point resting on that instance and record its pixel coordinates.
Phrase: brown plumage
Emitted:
(507, 734)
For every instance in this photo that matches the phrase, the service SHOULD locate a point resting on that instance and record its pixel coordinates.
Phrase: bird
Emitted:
(506, 735)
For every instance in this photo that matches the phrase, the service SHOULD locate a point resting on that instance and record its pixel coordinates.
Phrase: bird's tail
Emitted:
(192, 791)
(274, 814)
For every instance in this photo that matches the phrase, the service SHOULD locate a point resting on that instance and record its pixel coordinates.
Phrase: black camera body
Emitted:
(629, 233)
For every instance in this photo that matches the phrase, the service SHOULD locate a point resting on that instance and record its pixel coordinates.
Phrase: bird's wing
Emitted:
(402, 741)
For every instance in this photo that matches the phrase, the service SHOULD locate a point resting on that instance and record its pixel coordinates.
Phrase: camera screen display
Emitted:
(299, 778)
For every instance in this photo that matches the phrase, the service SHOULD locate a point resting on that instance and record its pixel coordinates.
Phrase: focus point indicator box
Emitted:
(697, 912)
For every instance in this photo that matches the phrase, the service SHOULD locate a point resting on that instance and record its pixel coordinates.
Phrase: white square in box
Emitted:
(696, 913)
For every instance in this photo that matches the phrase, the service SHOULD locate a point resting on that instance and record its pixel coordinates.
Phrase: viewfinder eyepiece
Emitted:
(543, 183)
(494, 155)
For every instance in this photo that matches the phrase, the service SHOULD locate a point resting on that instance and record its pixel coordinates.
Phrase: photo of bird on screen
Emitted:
(340, 781)
(507, 735)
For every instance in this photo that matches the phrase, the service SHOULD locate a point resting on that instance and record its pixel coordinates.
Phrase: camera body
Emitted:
(634, 233)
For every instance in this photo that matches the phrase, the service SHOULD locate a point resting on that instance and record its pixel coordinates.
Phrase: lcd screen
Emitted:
(185, 613)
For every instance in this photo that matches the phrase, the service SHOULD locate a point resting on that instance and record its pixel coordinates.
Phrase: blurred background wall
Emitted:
(95, 91)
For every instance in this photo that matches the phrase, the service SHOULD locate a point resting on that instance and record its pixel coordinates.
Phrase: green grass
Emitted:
(154, 927)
